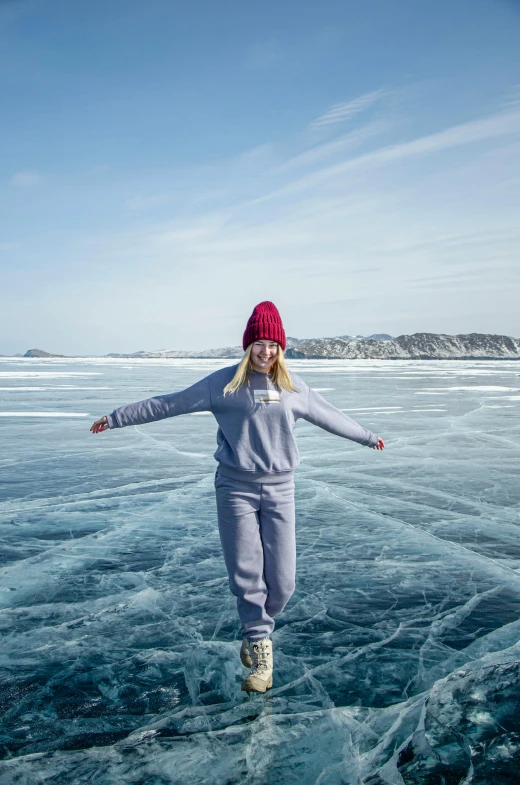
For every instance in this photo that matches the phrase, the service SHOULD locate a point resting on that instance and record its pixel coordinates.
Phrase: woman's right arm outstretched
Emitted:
(194, 399)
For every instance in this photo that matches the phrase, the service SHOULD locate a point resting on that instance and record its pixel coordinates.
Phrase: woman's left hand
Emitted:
(100, 425)
(380, 445)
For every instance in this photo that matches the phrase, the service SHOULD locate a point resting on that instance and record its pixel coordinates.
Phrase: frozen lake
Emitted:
(397, 659)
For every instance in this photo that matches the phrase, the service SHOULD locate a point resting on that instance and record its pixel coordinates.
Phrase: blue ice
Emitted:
(397, 660)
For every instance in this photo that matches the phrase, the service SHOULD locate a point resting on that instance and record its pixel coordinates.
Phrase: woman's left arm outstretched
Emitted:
(323, 414)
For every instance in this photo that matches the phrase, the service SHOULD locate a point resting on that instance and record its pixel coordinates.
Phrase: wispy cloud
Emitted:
(327, 216)
(339, 113)
(26, 179)
(499, 125)
(337, 147)
(353, 238)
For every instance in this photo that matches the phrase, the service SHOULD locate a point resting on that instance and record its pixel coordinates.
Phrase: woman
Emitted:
(256, 404)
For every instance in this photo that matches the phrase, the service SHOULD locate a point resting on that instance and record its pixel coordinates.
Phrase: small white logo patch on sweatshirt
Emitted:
(267, 396)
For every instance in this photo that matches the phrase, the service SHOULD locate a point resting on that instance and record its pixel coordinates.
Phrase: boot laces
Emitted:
(260, 657)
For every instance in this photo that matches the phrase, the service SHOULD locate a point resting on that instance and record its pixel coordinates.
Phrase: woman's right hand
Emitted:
(99, 426)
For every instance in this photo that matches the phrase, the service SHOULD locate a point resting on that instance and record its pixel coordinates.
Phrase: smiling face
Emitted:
(263, 355)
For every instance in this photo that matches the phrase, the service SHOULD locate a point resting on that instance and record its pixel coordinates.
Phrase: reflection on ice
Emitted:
(397, 660)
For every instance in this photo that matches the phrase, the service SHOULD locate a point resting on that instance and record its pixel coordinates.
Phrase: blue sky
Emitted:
(167, 165)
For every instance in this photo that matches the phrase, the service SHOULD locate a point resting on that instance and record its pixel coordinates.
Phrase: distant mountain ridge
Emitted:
(380, 346)
(419, 346)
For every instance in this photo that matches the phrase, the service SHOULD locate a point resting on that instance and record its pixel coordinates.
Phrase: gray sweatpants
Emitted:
(257, 530)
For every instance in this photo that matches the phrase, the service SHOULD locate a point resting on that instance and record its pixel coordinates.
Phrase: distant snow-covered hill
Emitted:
(40, 353)
(419, 346)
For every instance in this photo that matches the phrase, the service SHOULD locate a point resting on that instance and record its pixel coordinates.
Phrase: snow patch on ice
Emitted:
(477, 388)
(372, 409)
(44, 414)
(51, 389)
(45, 374)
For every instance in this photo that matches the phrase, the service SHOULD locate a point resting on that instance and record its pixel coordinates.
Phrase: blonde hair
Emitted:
(279, 373)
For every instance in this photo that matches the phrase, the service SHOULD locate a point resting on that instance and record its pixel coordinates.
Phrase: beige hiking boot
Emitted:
(261, 677)
(245, 657)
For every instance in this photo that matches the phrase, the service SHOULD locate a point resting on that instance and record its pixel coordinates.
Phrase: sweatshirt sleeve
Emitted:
(323, 414)
(194, 399)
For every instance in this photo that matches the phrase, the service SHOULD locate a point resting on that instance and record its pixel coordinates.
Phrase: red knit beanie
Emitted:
(264, 323)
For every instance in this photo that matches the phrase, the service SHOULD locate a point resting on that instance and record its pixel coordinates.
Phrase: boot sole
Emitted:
(247, 688)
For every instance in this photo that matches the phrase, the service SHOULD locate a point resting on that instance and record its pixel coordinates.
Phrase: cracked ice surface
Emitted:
(397, 660)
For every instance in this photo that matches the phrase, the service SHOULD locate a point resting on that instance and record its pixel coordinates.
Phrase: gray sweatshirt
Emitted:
(255, 435)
